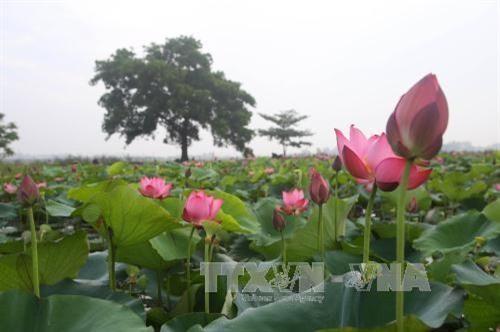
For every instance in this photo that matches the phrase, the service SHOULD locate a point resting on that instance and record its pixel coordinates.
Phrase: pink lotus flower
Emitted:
(269, 170)
(9, 188)
(199, 164)
(372, 161)
(200, 207)
(415, 129)
(27, 192)
(154, 187)
(497, 186)
(319, 190)
(41, 185)
(294, 202)
(74, 168)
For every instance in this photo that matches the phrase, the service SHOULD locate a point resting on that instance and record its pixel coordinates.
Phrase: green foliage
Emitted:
(58, 259)
(173, 86)
(71, 313)
(285, 131)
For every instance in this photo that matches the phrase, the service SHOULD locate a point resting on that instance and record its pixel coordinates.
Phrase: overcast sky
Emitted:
(340, 62)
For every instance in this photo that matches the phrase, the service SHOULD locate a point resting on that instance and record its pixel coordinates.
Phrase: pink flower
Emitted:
(74, 168)
(27, 192)
(9, 188)
(372, 161)
(497, 186)
(41, 185)
(415, 129)
(154, 187)
(200, 207)
(199, 164)
(294, 202)
(319, 190)
(439, 160)
(269, 170)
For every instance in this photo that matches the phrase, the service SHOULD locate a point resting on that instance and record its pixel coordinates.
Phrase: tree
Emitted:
(285, 131)
(172, 86)
(8, 134)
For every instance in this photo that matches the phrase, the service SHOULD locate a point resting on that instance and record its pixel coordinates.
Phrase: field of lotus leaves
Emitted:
(116, 251)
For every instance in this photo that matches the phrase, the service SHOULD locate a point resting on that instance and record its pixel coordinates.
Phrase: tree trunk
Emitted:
(184, 141)
(184, 147)
(284, 151)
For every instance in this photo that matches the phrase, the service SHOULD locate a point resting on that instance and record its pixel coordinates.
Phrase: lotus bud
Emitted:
(319, 190)
(412, 206)
(337, 164)
(278, 220)
(28, 192)
(415, 129)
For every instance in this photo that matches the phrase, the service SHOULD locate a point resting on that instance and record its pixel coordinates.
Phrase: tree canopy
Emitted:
(285, 131)
(172, 86)
(8, 134)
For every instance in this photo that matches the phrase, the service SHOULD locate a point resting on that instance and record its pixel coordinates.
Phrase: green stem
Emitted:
(207, 276)
(168, 294)
(210, 256)
(111, 259)
(321, 243)
(283, 244)
(34, 252)
(188, 269)
(368, 225)
(335, 211)
(400, 246)
(159, 286)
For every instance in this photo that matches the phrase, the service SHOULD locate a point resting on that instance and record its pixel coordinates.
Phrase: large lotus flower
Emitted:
(201, 207)
(415, 129)
(28, 193)
(294, 202)
(372, 161)
(154, 187)
(9, 188)
(319, 190)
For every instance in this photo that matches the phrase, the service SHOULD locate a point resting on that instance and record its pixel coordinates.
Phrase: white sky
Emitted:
(340, 62)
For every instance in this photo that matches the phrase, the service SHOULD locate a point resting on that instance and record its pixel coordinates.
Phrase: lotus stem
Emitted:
(207, 276)
(111, 259)
(400, 246)
(159, 286)
(283, 246)
(368, 225)
(188, 268)
(321, 242)
(34, 252)
(335, 211)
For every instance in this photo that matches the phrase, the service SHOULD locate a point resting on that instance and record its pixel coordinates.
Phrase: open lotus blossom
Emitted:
(294, 202)
(201, 207)
(371, 160)
(319, 190)
(9, 188)
(415, 129)
(28, 193)
(154, 187)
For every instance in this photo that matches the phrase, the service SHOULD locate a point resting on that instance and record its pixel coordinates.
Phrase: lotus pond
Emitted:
(112, 257)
